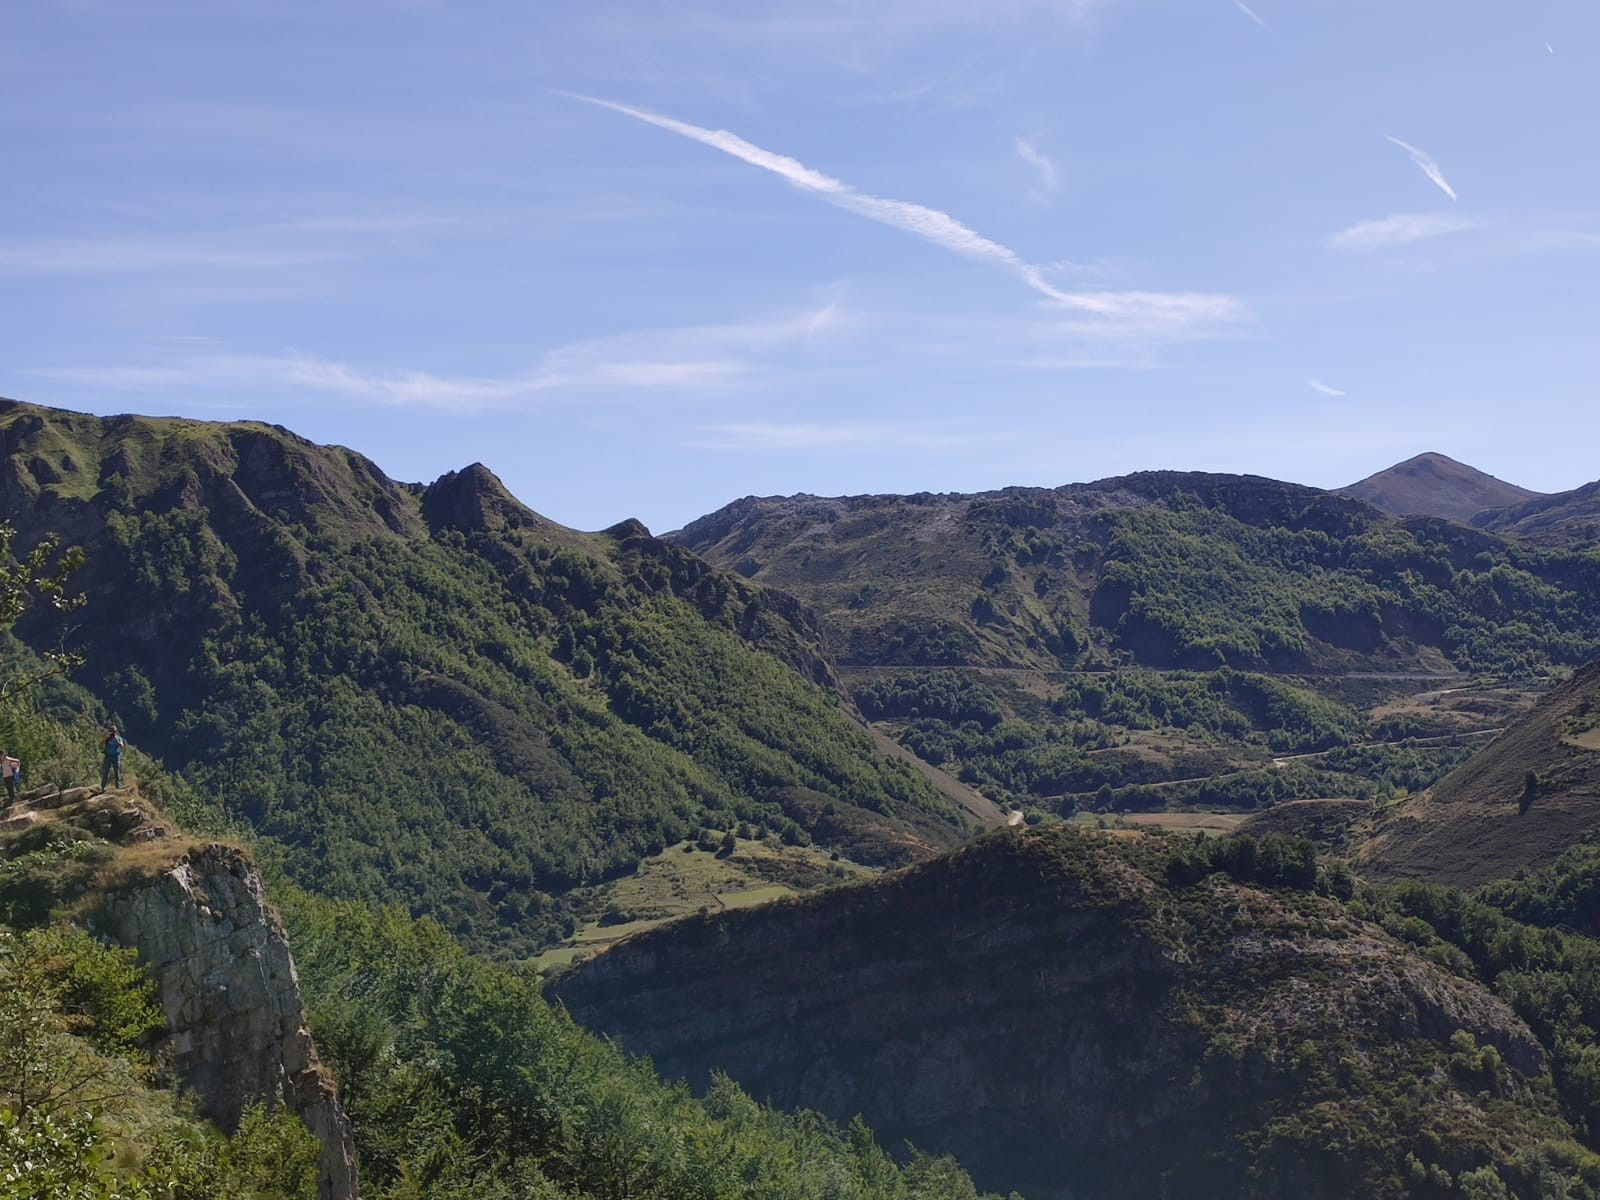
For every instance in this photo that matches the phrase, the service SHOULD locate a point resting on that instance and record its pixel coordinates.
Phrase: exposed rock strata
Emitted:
(1065, 1023)
(231, 997)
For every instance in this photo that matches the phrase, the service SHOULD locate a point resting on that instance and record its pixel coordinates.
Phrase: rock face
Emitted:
(228, 987)
(1047, 1008)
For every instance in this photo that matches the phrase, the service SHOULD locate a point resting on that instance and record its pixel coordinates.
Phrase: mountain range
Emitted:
(1163, 569)
(453, 730)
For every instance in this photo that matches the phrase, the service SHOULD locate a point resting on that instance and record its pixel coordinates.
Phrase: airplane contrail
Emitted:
(1427, 164)
(941, 229)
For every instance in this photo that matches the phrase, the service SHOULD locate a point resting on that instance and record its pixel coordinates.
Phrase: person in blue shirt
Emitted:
(111, 765)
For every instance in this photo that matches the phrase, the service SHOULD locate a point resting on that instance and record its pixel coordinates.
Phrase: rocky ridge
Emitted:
(224, 975)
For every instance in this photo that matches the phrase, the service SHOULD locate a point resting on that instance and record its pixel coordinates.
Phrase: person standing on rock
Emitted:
(111, 765)
(11, 770)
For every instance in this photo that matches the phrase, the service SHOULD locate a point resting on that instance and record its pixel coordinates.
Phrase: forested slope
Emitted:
(155, 1080)
(433, 695)
(1162, 569)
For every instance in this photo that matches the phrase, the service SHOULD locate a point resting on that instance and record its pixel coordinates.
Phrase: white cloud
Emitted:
(1250, 12)
(893, 19)
(1426, 163)
(946, 231)
(1316, 385)
(1049, 177)
(1399, 230)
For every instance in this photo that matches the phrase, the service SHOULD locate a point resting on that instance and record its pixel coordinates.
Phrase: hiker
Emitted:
(112, 764)
(11, 770)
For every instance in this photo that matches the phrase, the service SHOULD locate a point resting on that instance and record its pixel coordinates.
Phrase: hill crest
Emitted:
(1164, 569)
(1435, 485)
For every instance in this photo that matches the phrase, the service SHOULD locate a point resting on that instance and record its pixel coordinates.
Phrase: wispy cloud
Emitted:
(892, 19)
(946, 231)
(844, 437)
(1250, 12)
(688, 359)
(1049, 177)
(276, 246)
(299, 374)
(1427, 164)
(1399, 230)
(148, 256)
(1323, 389)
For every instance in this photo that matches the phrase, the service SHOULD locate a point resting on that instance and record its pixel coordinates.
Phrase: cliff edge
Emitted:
(227, 983)
(224, 977)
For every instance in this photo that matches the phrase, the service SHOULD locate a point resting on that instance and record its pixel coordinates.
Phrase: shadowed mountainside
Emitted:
(1435, 485)
(1488, 819)
(1064, 1017)
(432, 695)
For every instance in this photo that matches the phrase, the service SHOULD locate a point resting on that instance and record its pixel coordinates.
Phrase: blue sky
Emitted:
(644, 258)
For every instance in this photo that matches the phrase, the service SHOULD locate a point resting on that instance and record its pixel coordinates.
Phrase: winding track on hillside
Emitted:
(1282, 761)
(1381, 676)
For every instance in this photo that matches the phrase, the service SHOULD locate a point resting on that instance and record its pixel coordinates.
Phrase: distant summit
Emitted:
(1435, 485)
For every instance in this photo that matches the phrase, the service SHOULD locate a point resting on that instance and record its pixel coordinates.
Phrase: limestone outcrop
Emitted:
(228, 986)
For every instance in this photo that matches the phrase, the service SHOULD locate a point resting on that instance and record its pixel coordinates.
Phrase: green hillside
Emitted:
(460, 1081)
(431, 695)
(1161, 569)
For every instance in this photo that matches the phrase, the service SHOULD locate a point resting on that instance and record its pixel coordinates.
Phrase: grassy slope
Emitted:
(434, 696)
(688, 878)
(1474, 825)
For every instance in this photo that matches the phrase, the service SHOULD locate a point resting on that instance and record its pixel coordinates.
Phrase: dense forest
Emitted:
(434, 697)
(1072, 753)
